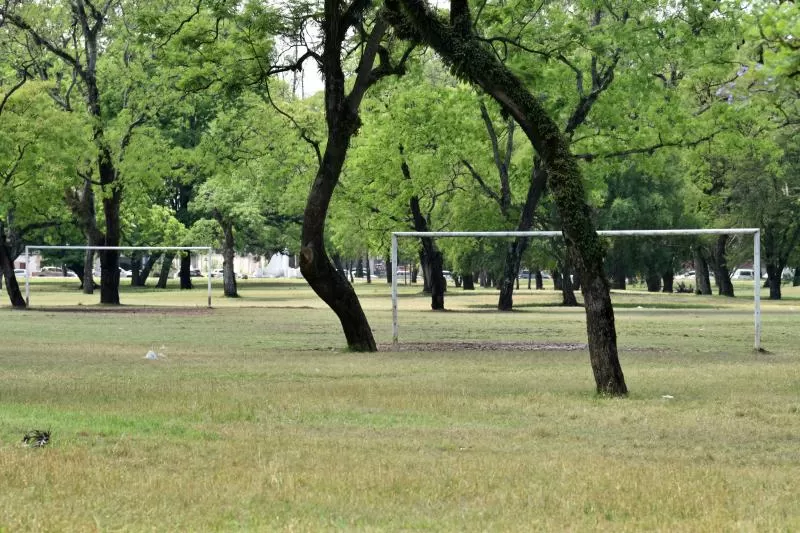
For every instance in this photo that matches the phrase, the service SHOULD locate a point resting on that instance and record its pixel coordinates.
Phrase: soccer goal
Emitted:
(28, 250)
(755, 232)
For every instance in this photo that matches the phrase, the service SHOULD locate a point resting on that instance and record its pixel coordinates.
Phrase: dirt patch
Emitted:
(126, 310)
(485, 346)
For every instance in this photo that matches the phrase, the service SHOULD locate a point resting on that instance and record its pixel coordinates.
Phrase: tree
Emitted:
(39, 148)
(463, 51)
(341, 114)
(79, 39)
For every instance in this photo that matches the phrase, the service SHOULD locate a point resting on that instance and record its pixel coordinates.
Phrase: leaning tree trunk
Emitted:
(147, 268)
(7, 272)
(341, 114)
(166, 265)
(471, 60)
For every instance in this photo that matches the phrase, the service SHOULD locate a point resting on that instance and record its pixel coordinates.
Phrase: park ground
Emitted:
(256, 418)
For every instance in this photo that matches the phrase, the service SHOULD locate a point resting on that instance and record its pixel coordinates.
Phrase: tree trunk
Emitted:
(469, 282)
(653, 281)
(539, 280)
(185, 273)
(567, 292)
(369, 270)
(518, 246)
(425, 268)
(166, 265)
(136, 269)
(668, 279)
(774, 280)
(796, 277)
(148, 267)
(618, 279)
(558, 282)
(109, 276)
(429, 255)
(702, 279)
(389, 272)
(7, 272)
(719, 262)
(228, 253)
(87, 283)
(341, 114)
(337, 262)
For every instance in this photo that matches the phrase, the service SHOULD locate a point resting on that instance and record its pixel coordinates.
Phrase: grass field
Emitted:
(257, 419)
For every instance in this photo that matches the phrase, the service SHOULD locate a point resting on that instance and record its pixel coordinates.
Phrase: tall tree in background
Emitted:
(79, 44)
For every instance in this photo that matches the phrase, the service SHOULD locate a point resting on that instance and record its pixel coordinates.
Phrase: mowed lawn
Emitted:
(256, 418)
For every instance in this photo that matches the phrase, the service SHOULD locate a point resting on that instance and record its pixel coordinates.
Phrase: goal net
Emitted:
(33, 248)
(755, 232)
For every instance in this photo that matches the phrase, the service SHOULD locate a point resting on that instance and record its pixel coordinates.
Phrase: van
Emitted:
(743, 274)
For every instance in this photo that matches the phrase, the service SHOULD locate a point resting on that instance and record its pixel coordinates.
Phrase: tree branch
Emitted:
(486, 189)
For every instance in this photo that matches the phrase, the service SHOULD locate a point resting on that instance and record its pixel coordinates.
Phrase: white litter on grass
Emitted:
(153, 355)
(639, 307)
(668, 397)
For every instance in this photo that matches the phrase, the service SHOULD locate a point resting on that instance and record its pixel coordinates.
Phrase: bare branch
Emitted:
(486, 189)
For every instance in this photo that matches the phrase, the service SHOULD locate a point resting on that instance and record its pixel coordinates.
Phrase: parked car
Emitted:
(125, 273)
(19, 272)
(743, 274)
(49, 272)
(193, 273)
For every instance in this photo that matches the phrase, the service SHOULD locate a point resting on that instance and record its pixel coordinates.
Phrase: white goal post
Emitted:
(28, 249)
(755, 232)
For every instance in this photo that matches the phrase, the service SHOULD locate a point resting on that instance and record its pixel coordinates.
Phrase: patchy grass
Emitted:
(258, 419)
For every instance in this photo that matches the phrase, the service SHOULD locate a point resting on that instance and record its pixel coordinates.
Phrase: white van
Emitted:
(743, 274)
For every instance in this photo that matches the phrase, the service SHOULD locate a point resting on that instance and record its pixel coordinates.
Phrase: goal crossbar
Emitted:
(755, 232)
(28, 249)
